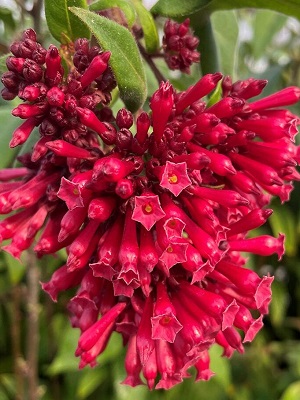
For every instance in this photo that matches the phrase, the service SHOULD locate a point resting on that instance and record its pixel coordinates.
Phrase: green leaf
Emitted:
(288, 7)
(7, 17)
(89, 381)
(292, 392)
(124, 5)
(181, 8)
(279, 304)
(62, 24)
(283, 221)
(149, 27)
(15, 268)
(65, 361)
(207, 47)
(125, 59)
(220, 366)
(9, 124)
(3, 67)
(178, 8)
(266, 25)
(226, 40)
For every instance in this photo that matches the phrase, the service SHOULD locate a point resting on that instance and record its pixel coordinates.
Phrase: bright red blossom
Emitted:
(154, 223)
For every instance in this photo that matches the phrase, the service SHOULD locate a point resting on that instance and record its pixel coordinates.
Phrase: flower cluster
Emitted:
(52, 101)
(153, 214)
(180, 46)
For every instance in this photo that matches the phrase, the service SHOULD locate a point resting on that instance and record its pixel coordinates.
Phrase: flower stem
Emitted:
(33, 277)
(152, 65)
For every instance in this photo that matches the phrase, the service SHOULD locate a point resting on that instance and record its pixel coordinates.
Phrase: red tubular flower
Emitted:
(153, 223)
(161, 104)
(147, 210)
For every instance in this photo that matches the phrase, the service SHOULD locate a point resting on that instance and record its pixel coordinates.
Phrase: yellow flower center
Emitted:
(165, 320)
(173, 178)
(170, 249)
(148, 208)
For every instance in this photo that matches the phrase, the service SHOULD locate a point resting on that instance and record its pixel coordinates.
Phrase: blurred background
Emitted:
(37, 343)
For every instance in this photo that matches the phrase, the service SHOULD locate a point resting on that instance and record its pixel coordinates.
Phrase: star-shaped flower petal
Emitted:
(175, 177)
(175, 253)
(70, 192)
(147, 210)
(174, 228)
(165, 327)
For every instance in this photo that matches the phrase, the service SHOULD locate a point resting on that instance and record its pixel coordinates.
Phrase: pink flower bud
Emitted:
(264, 245)
(124, 188)
(32, 72)
(62, 280)
(101, 208)
(129, 251)
(97, 66)
(227, 198)
(21, 134)
(55, 97)
(270, 129)
(53, 63)
(260, 171)
(204, 86)
(108, 251)
(89, 338)
(219, 163)
(142, 126)
(227, 107)
(25, 111)
(80, 244)
(15, 64)
(132, 364)
(284, 97)
(65, 149)
(161, 104)
(252, 220)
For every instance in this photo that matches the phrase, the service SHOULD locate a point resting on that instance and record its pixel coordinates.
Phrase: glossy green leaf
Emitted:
(266, 25)
(125, 59)
(149, 27)
(226, 39)
(62, 24)
(292, 392)
(182, 8)
(178, 8)
(288, 7)
(124, 5)
(283, 221)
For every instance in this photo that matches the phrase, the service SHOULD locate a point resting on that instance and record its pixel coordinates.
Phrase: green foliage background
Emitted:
(244, 42)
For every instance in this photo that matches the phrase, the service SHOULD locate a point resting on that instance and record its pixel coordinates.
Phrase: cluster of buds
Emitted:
(51, 98)
(154, 224)
(180, 46)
